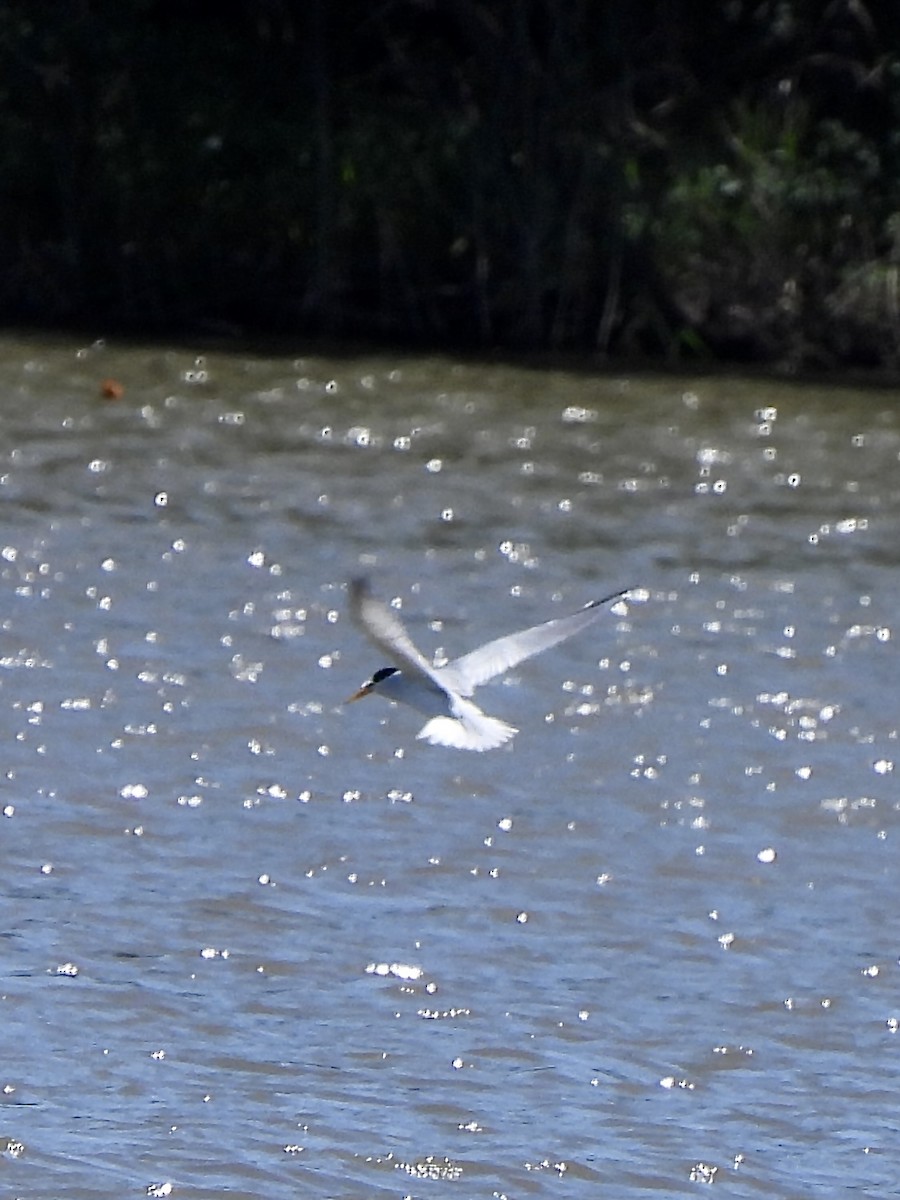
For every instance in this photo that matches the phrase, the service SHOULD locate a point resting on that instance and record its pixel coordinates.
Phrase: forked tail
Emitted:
(470, 729)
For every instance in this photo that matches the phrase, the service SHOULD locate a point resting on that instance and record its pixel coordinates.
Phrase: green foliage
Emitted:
(756, 246)
(594, 175)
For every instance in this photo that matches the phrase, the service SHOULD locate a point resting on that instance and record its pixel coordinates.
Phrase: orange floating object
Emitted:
(111, 389)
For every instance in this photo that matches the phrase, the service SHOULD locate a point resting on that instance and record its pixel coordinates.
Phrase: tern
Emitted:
(443, 693)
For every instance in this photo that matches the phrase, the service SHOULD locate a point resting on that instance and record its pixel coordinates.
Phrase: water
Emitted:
(260, 944)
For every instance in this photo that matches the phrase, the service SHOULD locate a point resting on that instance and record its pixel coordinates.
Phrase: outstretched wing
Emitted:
(384, 629)
(467, 673)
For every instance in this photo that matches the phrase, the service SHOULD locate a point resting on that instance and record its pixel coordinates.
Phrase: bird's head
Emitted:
(371, 685)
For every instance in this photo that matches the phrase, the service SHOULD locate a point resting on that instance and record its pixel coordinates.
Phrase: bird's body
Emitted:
(443, 693)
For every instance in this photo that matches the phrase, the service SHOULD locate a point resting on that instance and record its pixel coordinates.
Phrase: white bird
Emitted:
(442, 693)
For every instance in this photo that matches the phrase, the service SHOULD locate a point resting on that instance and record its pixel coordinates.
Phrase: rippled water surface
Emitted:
(257, 943)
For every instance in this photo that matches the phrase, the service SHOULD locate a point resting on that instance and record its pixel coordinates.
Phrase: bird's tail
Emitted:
(469, 729)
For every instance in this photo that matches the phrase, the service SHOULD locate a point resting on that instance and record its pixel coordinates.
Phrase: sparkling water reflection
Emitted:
(260, 943)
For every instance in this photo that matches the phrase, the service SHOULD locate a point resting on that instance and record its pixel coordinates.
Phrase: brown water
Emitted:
(260, 944)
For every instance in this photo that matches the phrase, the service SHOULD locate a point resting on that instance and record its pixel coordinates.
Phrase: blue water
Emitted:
(261, 944)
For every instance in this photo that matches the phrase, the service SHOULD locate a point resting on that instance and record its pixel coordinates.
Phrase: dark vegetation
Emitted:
(636, 177)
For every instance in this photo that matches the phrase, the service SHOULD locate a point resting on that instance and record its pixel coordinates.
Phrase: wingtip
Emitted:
(606, 599)
(358, 589)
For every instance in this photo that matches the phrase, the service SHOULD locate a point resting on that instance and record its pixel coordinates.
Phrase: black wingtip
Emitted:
(606, 599)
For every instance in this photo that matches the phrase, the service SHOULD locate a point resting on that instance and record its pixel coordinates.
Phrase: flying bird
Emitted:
(443, 693)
